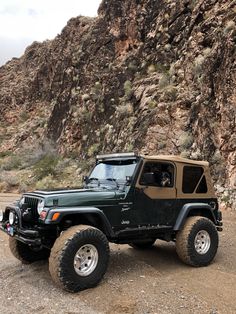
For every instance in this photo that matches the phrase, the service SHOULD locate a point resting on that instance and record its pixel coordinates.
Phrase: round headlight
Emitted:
(22, 201)
(12, 218)
(1, 215)
(40, 206)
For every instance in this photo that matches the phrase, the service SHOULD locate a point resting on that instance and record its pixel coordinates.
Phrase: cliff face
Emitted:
(157, 76)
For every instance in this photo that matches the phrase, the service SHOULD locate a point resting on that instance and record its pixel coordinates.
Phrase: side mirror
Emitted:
(85, 179)
(148, 178)
(128, 180)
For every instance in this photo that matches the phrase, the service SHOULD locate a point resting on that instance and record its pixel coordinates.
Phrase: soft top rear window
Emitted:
(191, 177)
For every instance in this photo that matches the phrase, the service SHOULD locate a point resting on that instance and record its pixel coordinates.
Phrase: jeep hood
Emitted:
(77, 197)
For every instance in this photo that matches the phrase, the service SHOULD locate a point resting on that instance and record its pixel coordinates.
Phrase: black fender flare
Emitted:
(186, 209)
(79, 210)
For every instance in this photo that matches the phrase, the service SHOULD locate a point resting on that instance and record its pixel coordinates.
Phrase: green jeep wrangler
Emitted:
(127, 199)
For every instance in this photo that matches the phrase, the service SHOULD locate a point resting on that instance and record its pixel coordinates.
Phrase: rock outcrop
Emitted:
(154, 76)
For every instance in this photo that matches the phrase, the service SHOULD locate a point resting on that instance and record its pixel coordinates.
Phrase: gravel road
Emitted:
(150, 281)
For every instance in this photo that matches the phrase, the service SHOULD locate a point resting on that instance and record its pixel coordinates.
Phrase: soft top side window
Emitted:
(191, 177)
(162, 174)
(202, 187)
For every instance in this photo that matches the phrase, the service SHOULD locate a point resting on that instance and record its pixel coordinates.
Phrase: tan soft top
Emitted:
(176, 159)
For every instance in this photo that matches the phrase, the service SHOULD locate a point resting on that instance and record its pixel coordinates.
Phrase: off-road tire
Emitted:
(25, 253)
(142, 245)
(61, 261)
(185, 240)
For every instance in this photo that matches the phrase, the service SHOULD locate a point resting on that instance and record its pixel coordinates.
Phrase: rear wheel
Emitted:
(142, 245)
(79, 258)
(197, 242)
(25, 253)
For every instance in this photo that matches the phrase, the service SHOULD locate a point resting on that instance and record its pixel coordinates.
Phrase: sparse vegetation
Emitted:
(24, 116)
(132, 66)
(152, 104)
(198, 65)
(85, 97)
(11, 162)
(186, 141)
(45, 166)
(216, 158)
(161, 145)
(129, 147)
(93, 149)
(230, 26)
(8, 181)
(164, 81)
(5, 154)
(47, 182)
(170, 93)
(185, 154)
(125, 109)
(151, 69)
(128, 89)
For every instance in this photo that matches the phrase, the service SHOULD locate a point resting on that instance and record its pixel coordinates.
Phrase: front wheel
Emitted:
(25, 253)
(79, 258)
(197, 242)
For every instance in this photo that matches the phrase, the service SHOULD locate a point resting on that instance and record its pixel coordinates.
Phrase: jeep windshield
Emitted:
(112, 173)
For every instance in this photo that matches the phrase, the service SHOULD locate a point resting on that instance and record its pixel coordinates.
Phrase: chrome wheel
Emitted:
(86, 260)
(202, 242)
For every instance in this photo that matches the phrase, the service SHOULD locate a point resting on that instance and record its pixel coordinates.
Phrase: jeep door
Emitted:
(155, 194)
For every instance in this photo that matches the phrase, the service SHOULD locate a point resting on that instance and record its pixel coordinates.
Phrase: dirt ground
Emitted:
(150, 281)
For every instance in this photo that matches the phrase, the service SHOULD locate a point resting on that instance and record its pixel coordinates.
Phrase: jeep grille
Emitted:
(32, 203)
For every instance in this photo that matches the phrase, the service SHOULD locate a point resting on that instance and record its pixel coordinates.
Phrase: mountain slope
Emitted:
(157, 76)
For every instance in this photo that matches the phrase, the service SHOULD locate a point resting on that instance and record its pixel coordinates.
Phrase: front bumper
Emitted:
(27, 236)
(30, 237)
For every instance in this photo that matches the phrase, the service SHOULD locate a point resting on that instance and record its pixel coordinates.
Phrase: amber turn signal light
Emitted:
(55, 216)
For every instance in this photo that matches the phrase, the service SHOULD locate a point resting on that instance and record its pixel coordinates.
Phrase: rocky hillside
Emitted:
(154, 76)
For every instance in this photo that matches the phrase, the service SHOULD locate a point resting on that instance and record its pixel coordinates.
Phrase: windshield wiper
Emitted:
(94, 179)
(113, 180)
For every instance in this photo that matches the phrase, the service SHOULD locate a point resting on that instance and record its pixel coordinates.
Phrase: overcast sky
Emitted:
(24, 21)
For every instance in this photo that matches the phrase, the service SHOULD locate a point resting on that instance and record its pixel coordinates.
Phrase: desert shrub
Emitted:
(185, 154)
(31, 155)
(85, 165)
(198, 65)
(151, 69)
(129, 148)
(96, 91)
(47, 182)
(186, 141)
(24, 116)
(164, 80)
(125, 109)
(61, 165)
(128, 89)
(216, 158)
(93, 149)
(206, 52)
(45, 166)
(8, 181)
(5, 153)
(85, 97)
(22, 187)
(12, 162)
(161, 68)
(167, 47)
(132, 66)
(170, 93)
(161, 145)
(230, 26)
(152, 104)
